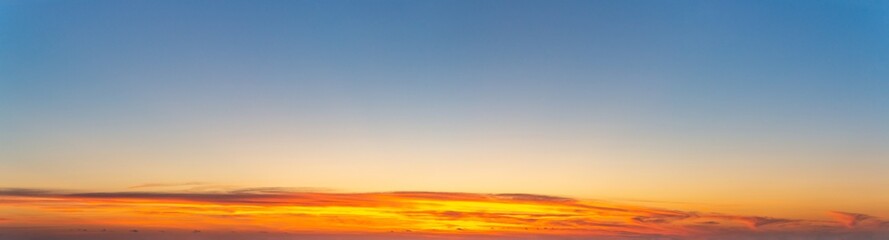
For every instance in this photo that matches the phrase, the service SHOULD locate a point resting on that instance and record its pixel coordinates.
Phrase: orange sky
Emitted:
(403, 214)
(611, 118)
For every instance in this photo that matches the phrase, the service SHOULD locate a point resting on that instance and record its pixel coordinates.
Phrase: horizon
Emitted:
(683, 119)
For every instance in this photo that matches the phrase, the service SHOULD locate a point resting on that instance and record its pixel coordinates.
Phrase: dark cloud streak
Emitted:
(603, 219)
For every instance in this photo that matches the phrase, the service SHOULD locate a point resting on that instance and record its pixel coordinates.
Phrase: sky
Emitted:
(280, 213)
(745, 108)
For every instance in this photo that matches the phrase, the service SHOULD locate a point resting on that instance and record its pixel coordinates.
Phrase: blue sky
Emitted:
(533, 94)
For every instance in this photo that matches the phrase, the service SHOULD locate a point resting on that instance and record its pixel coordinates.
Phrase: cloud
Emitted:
(300, 210)
(852, 219)
(280, 190)
(533, 197)
(24, 192)
(163, 185)
(756, 222)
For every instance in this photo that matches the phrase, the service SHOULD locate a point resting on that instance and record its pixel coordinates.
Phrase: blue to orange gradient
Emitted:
(675, 119)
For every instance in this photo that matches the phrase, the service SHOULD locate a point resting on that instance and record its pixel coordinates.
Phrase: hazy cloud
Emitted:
(853, 219)
(163, 185)
(514, 215)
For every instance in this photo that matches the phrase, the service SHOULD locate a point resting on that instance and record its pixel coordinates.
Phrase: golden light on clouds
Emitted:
(406, 214)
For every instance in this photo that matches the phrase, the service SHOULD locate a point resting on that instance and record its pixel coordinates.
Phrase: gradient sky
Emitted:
(291, 214)
(754, 107)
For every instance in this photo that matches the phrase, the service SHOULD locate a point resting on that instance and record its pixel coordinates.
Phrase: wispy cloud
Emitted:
(299, 211)
(164, 185)
(853, 220)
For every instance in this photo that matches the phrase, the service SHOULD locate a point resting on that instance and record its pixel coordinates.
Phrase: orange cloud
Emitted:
(852, 220)
(406, 214)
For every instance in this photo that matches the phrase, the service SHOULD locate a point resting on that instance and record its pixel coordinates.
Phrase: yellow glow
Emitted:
(413, 212)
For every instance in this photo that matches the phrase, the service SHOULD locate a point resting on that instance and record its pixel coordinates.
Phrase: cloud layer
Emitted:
(393, 214)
